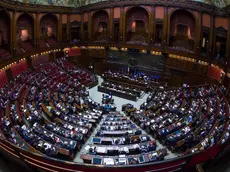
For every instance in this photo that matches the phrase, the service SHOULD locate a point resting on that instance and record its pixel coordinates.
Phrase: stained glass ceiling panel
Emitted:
(76, 3)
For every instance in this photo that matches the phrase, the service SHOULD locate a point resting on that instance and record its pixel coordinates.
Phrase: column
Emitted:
(150, 29)
(38, 29)
(165, 35)
(121, 38)
(14, 25)
(68, 29)
(211, 36)
(82, 27)
(111, 25)
(198, 34)
(90, 26)
(11, 35)
(227, 53)
(60, 29)
(124, 26)
(35, 30)
(154, 24)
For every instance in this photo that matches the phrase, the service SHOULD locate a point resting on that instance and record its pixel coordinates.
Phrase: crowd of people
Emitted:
(134, 78)
(186, 119)
(48, 110)
(118, 141)
(44, 109)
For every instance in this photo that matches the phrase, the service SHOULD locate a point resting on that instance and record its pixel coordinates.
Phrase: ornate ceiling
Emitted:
(77, 3)
(71, 3)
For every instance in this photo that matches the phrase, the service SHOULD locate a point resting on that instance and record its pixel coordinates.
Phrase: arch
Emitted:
(182, 30)
(100, 25)
(136, 24)
(25, 22)
(48, 26)
(5, 25)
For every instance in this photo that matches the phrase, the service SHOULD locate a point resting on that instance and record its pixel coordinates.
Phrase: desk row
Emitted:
(125, 160)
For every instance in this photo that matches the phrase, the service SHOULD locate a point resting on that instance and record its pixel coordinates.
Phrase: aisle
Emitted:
(97, 96)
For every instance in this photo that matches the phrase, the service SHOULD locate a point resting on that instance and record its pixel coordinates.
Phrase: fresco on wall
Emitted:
(71, 3)
(219, 3)
(76, 3)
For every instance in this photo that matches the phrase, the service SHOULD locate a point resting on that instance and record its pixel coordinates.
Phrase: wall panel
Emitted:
(159, 12)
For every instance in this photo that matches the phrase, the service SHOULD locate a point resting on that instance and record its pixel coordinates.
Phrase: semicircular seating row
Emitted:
(187, 120)
(47, 111)
(42, 111)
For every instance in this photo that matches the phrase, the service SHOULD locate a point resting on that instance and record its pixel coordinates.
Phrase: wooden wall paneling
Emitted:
(60, 28)
(150, 30)
(221, 21)
(198, 34)
(82, 27)
(198, 68)
(38, 28)
(186, 65)
(214, 41)
(90, 26)
(177, 64)
(203, 69)
(194, 66)
(201, 34)
(190, 66)
(227, 53)
(121, 25)
(35, 31)
(206, 20)
(167, 61)
(68, 29)
(153, 23)
(111, 21)
(13, 37)
(165, 27)
(11, 32)
(211, 36)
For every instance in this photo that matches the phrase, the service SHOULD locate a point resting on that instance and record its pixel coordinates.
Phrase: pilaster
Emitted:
(82, 27)
(121, 28)
(165, 27)
(111, 25)
(90, 26)
(198, 39)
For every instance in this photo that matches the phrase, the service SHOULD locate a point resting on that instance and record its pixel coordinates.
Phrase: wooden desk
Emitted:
(137, 84)
(46, 110)
(116, 93)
